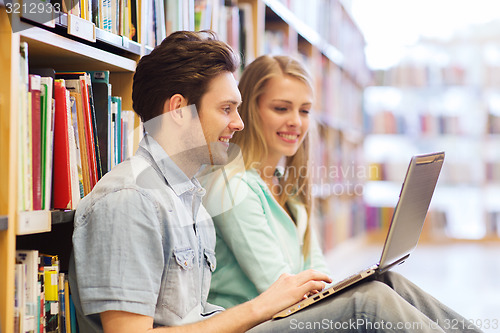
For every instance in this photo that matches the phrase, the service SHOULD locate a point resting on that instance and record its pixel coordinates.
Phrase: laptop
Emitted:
(404, 231)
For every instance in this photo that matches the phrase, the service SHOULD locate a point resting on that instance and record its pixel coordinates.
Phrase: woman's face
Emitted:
(284, 109)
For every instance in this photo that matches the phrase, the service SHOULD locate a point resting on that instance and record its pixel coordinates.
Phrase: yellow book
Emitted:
(84, 10)
(82, 140)
(66, 306)
(51, 283)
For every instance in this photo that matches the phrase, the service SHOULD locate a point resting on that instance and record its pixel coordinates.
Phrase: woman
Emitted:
(267, 232)
(283, 241)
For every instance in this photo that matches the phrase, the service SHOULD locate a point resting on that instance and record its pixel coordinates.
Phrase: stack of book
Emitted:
(43, 302)
(72, 131)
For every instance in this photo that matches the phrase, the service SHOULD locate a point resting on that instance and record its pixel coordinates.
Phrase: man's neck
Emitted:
(185, 161)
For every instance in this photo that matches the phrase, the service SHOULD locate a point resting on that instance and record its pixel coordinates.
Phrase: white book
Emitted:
(31, 306)
(19, 297)
(75, 187)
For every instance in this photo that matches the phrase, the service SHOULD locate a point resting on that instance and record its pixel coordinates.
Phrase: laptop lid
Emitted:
(410, 212)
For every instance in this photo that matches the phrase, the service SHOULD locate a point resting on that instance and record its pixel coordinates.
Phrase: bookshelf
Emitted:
(48, 47)
(448, 104)
(303, 30)
(336, 62)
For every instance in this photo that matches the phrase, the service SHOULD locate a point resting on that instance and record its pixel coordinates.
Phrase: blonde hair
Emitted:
(252, 141)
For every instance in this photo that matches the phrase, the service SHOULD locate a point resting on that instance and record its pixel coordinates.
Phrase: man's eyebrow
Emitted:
(231, 101)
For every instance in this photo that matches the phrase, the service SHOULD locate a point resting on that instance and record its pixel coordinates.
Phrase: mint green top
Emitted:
(257, 241)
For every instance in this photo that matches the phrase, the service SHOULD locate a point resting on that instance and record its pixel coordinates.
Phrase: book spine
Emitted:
(62, 181)
(73, 163)
(89, 133)
(36, 140)
(94, 128)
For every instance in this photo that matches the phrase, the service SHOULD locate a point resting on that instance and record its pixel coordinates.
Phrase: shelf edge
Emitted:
(62, 216)
(55, 40)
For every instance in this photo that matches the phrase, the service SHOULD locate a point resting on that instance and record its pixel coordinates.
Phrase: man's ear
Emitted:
(174, 106)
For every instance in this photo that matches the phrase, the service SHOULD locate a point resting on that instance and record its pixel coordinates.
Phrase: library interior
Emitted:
(392, 79)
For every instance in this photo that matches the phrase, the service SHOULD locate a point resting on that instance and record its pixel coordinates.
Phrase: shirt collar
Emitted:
(174, 176)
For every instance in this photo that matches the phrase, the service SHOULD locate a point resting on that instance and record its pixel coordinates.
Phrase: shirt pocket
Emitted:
(180, 295)
(210, 264)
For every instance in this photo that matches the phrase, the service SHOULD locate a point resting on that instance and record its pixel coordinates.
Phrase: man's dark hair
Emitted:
(184, 63)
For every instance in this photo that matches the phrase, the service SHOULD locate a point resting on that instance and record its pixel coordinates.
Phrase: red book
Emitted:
(61, 184)
(36, 135)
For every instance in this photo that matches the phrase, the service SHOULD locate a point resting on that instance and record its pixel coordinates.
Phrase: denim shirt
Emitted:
(143, 243)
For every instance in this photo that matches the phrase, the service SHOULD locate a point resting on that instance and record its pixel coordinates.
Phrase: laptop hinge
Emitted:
(388, 267)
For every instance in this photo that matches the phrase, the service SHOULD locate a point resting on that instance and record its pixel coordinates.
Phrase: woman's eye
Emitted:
(305, 111)
(280, 109)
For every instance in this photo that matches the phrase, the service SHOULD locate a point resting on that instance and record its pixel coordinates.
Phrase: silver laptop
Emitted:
(404, 231)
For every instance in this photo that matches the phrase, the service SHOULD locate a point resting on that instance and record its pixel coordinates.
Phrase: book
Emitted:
(19, 296)
(24, 139)
(29, 258)
(47, 142)
(47, 76)
(89, 132)
(72, 311)
(62, 303)
(77, 107)
(133, 26)
(159, 18)
(62, 191)
(49, 265)
(67, 304)
(128, 134)
(74, 124)
(75, 187)
(98, 162)
(173, 16)
(101, 91)
(79, 82)
(246, 37)
(36, 140)
(116, 109)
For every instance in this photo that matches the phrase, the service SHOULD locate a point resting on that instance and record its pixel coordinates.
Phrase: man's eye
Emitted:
(227, 109)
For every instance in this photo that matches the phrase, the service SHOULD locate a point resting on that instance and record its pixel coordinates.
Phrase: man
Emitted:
(143, 243)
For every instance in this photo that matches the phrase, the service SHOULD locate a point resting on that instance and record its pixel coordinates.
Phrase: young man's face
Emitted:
(219, 116)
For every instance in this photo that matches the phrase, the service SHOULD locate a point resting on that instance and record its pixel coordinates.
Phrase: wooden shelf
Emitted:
(44, 45)
(109, 38)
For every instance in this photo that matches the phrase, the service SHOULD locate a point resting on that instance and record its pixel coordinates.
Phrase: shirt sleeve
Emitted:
(118, 253)
(249, 236)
